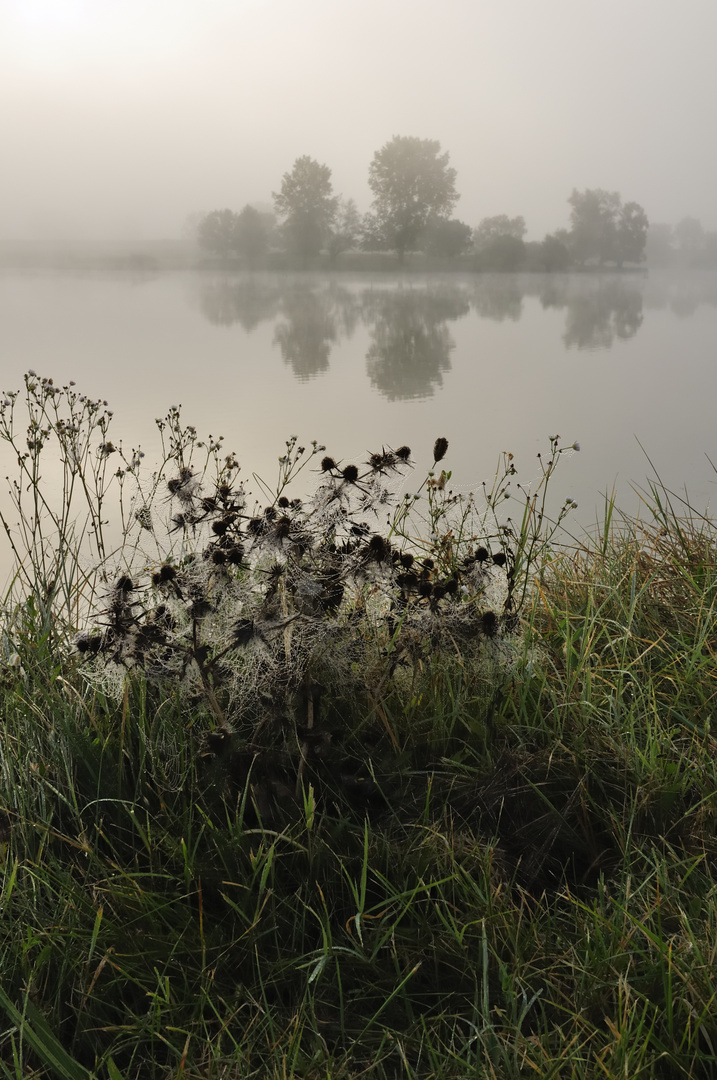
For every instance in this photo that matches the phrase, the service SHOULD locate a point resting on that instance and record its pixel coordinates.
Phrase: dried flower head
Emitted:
(440, 447)
(378, 548)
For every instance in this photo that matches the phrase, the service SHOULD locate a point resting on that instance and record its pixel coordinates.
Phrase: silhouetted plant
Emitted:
(60, 441)
(256, 606)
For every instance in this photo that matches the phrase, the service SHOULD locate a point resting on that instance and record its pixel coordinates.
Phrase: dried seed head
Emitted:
(88, 644)
(143, 517)
(327, 464)
(350, 474)
(201, 608)
(378, 548)
(256, 526)
(243, 631)
(440, 447)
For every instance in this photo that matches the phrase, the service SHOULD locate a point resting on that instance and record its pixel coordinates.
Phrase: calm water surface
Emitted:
(494, 363)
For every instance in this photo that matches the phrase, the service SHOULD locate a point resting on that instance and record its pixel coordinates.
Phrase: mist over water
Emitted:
(494, 363)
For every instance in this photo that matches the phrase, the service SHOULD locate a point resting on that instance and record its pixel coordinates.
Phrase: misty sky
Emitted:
(118, 118)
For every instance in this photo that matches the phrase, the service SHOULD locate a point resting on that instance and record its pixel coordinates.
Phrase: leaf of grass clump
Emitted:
(42, 1040)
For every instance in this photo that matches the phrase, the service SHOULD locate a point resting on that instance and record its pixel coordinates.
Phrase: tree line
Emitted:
(414, 195)
(686, 245)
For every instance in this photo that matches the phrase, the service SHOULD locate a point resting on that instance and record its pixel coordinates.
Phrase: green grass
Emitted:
(521, 881)
(441, 838)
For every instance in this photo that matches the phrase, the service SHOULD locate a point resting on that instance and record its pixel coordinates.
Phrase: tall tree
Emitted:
(554, 251)
(689, 235)
(631, 234)
(447, 237)
(593, 221)
(411, 183)
(491, 228)
(251, 234)
(216, 232)
(307, 205)
(605, 230)
(346, 229)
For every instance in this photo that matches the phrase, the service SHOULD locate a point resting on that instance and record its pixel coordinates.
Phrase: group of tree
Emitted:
(227, 234)
(414, 195)
(687, 245)
(414, 191)
(604, 229)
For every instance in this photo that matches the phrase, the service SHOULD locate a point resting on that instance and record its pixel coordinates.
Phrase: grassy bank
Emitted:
(347, 818)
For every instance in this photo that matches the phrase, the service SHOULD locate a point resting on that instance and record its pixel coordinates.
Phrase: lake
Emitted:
(616, 362)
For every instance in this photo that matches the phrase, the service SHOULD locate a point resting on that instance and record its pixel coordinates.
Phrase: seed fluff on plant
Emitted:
(249, 602)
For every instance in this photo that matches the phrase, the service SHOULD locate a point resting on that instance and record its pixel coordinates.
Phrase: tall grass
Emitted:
(408, 853)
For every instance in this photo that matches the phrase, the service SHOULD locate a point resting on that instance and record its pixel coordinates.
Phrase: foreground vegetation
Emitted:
(431, 801)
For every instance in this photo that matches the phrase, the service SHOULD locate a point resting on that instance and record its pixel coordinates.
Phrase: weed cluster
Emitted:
(351, 782)
(347, 589)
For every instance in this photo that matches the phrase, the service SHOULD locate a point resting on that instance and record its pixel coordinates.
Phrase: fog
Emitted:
(120, 119)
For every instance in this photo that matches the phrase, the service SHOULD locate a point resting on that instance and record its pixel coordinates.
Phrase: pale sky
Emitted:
(118, 118)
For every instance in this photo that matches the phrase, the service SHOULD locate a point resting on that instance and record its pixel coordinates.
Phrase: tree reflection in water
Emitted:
(247, 301)
(306, 330)
(499, 296)
(596, 317)
(411, 345)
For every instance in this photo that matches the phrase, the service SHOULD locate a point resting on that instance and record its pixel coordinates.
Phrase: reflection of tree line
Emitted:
(410, 341)
(683, 294)
(596, 316)
(310, 321)
(410, 345)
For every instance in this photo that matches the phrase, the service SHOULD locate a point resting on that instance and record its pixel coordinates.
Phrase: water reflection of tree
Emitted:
(346, 307)
(596, 317)
(410, 341)
(307, 330)
(683, 294)
(499, 297)
(598, 309)
(411, 345)
(248, 301)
